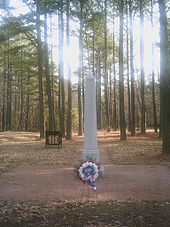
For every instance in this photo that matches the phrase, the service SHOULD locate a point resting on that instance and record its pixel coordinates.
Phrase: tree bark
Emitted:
(83, 84)
(69, 108)
(110, 97)
(165, 77)
(132, 72)
(3, 99)
(21, 95)
(28, 101)
(47, 75)
(142, 69)
(114, 79)
(3, 105)
(52, 74)
(40, 73)
(106, 69)
(153, 74)
(61, 68)
(59, 71)
(161, 108)
(98, 86)
(93, 41)
(127, 63)
(9, 92)
(80, 70)
(121, 77)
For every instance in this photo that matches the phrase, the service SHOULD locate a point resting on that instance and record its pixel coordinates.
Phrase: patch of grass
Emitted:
(35, 154)
(16, 137)
(99, 213)
(136, 152)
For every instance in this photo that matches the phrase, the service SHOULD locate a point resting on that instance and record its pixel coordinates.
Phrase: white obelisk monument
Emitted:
(90, 120)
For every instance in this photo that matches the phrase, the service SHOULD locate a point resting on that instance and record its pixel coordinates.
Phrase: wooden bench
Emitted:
(53, 138)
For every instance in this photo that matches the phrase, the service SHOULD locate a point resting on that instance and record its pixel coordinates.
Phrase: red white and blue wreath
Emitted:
(89, 172)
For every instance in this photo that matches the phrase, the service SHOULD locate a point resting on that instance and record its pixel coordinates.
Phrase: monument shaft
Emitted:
(90, 121)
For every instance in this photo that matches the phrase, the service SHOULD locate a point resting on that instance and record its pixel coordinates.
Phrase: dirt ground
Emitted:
(99, 214)
(20, 150)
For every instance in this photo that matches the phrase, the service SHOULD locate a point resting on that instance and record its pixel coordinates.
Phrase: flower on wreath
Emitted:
(88, 171)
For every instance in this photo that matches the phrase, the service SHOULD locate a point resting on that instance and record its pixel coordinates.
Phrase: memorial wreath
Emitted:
(88, 171)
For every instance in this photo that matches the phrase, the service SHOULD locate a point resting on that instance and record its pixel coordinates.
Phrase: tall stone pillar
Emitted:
(90, 120)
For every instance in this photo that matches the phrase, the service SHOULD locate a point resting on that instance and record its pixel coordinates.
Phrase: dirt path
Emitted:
(121, 182)
(104, 159)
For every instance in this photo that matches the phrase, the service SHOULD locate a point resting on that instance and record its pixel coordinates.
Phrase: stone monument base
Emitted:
(91, 155)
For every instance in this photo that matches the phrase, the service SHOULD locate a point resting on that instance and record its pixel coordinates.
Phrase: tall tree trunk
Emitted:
(93, 41)
(165, 75)
(87, 47)
(142, 68)
(59, 71)
(83, 83)
(153, 75)
(21, 95)
(161, 108)
(127, 53)
(121, 77)
(28, 101)
(47, 75)
(9, 92)
(4, 95)
(59, 102)
(110, 96)
(106, 69)
(61, 68)
(40, 72)
(99, 101)
(52, 74)
(132, 72)
(15, 108)
(69, 108)
(114, 79)
(3, 105)
(83, 70)
(80, 69)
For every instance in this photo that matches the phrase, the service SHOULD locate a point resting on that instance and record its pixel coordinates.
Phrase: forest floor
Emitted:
(38, 188)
